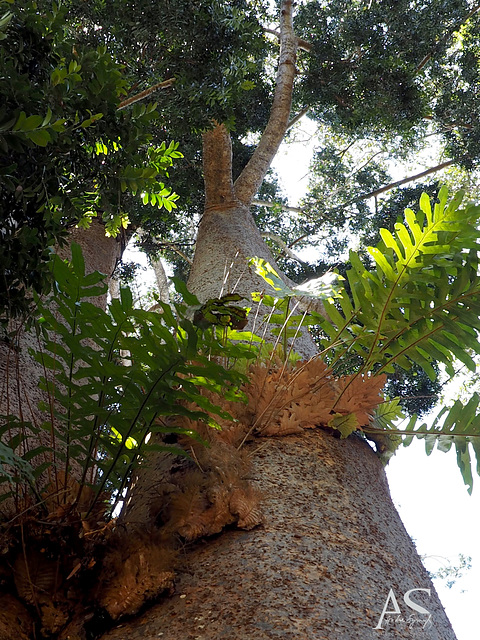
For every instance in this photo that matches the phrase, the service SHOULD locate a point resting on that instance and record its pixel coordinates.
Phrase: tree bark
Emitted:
(19, 372)
(332, 544)
(228, 236)
(321, 567)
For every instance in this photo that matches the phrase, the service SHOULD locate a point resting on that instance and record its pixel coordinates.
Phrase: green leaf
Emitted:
(345, 424)
(181, 287)
(271, 277)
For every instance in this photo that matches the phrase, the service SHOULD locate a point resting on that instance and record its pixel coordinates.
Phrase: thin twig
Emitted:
(284, 207)
(283, 245)
(392, 185)
(144, 94)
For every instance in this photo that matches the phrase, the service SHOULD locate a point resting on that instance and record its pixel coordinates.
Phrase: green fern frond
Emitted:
(421, 301)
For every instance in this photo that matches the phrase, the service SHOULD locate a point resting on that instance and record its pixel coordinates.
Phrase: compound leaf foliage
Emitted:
(420, 302)
(417, 303)
(113, 377)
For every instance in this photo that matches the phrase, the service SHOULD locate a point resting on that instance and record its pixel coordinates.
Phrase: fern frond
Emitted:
(421, 301)
(457, 426)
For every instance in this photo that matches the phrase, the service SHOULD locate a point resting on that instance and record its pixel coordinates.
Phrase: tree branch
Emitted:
(301, 43)
(249, 181)
(283, 245)
(173, 247)
(298, 117)
(144, 94)
(304, 45)
(377, 192)
(392, 185)
(270, 205)
(274, 32)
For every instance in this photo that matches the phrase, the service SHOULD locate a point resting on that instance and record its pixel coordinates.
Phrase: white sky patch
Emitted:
(293, 159)
(444, 521)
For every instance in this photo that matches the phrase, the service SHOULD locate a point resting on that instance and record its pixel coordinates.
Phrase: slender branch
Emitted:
(452, 125)
(304, 45)
(144, 94)
(392, 185)
(365, 164)
(302, 237)
(273, 32)
(377, 192)
(179, 252)
(165, 244)
(301, 43)
(457, 26)
(270, 205)
(426, 432)
(283, 245)
(298, 117)
(347, 148)
(249, 181)
(172, 246)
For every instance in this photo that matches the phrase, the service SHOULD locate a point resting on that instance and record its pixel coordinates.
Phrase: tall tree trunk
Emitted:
(332, 545)
(227, 235)
(19, 373)
(320, 567)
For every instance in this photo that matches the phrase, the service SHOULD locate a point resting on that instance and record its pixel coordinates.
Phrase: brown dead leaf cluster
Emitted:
(286, 399)
(135, 569)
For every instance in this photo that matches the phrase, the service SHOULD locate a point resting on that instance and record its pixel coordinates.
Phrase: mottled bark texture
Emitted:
(228, 236)
(320, 568)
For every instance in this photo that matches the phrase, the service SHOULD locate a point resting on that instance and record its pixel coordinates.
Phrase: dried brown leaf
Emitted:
(360, 395)
(137, 568)
(246, 504)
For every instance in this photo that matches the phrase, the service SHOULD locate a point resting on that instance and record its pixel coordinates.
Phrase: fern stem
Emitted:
(134, 421)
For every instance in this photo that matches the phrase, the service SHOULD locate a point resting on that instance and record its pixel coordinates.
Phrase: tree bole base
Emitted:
(320, 567)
